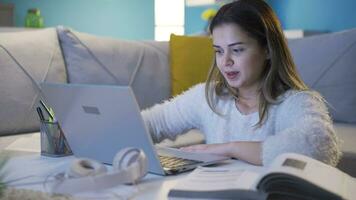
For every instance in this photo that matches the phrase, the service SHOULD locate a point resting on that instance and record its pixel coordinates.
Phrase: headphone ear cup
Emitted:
(133, 161)
(85, 167)
(130, 165)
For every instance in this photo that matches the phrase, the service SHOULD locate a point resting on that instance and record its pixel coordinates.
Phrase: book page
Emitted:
(318, 173)
(213, 179)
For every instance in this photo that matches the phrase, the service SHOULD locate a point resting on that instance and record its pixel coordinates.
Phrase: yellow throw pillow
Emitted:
(191, 59)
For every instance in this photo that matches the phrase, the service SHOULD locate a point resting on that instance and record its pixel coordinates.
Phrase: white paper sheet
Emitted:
(35, 172)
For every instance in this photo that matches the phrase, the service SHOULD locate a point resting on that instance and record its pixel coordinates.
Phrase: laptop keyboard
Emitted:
(174, 162)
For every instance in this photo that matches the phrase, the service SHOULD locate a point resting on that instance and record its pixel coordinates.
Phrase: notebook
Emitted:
(99, 120)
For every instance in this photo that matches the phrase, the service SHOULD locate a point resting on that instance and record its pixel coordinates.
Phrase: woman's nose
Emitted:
(227, 61)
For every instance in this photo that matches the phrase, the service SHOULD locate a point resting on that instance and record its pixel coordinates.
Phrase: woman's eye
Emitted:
(218, 51)
(239, 50)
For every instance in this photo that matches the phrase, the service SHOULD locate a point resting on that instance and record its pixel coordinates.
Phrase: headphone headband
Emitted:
(129, 166)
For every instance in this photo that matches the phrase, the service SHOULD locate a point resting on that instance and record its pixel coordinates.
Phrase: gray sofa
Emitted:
(326, 62)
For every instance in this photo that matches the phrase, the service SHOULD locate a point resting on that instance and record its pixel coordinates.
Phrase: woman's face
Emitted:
(239, 57)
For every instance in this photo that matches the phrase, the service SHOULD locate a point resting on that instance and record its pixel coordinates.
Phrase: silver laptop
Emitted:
(99, 120)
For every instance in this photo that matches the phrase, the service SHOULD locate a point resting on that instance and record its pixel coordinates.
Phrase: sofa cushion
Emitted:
(99, 60)
(327, 64)
(39, 54)
(191, 59)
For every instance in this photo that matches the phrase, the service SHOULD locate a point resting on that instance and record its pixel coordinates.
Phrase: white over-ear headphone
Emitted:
(129, 166)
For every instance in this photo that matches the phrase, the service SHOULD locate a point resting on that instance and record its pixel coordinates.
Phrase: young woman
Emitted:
(253, 106)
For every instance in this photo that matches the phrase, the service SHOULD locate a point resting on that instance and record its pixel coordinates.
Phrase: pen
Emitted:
(48, 110)
(40, 114)
(45, 129)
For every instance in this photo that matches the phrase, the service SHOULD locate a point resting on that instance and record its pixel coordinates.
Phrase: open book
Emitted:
(290, 176)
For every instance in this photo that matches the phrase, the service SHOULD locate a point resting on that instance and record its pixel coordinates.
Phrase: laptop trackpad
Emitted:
(174, 152)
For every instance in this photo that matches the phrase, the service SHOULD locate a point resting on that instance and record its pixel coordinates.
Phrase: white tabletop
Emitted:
(37, 168)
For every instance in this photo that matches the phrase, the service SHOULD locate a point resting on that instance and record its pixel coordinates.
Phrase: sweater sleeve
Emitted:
(175, 116)
(303, 126)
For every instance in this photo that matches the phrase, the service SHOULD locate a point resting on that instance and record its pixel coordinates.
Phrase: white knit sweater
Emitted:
(300, 124)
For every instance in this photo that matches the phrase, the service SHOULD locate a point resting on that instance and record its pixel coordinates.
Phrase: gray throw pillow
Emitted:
(327, 63)
(39, 53)
(98, 60)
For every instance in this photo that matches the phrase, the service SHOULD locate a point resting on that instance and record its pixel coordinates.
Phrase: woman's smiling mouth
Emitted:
(232, 75)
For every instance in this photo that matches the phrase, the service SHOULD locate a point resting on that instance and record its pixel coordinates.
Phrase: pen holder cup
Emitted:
(53, 141)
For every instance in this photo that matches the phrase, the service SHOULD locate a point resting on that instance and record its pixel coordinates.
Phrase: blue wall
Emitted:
(313, 15)
(127, 19)
(134, 19)
(194, 24)
(319, 15)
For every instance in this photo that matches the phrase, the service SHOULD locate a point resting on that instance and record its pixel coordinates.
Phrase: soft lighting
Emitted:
(205, 2)
(169, 12)
(199, 2)
(164, 33)
(169, 18)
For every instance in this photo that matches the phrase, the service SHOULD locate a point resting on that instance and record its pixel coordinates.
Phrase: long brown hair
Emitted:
(259, 21)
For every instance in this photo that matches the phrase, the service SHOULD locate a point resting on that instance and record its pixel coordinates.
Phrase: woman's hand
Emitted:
(246, 151)
(218, 149)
